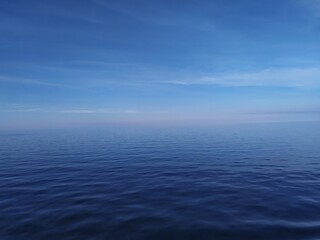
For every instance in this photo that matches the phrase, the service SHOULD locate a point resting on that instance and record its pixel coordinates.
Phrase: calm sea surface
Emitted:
(259, 181)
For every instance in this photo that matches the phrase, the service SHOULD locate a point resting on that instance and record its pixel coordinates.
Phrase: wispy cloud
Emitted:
(297, 111)
(285, 77)
(23, 110)
(26, 108)
(162, 14)
(271, 77)
(28, 81)
(20, 108)
(88, 111)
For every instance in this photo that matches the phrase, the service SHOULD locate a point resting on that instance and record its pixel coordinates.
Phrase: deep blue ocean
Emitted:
(245, 181)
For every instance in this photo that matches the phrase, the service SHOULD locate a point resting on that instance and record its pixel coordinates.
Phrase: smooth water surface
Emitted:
(251, 181)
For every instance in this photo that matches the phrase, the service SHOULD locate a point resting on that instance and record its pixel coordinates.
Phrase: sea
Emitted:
(223, 181)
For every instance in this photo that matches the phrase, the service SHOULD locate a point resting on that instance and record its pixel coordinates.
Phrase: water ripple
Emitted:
(260, 182)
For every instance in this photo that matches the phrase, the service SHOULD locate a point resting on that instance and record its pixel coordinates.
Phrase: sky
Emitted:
(96, 62)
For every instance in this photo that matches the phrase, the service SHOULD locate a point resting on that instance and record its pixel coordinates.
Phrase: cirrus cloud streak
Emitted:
(285, 77)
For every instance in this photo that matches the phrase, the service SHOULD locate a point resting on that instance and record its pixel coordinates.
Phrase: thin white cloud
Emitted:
(78, 111)
(159, 13)
(23, 110)
(89, 111)
(103, 63)
(285, 77)
(288, 111)
(28, 81)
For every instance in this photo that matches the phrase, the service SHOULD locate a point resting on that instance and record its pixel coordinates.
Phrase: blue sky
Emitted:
(95, 62)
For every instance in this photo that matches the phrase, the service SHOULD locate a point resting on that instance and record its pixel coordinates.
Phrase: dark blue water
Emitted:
(258, 181)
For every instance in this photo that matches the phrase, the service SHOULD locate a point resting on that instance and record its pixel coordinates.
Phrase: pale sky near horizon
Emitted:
(67, 62)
